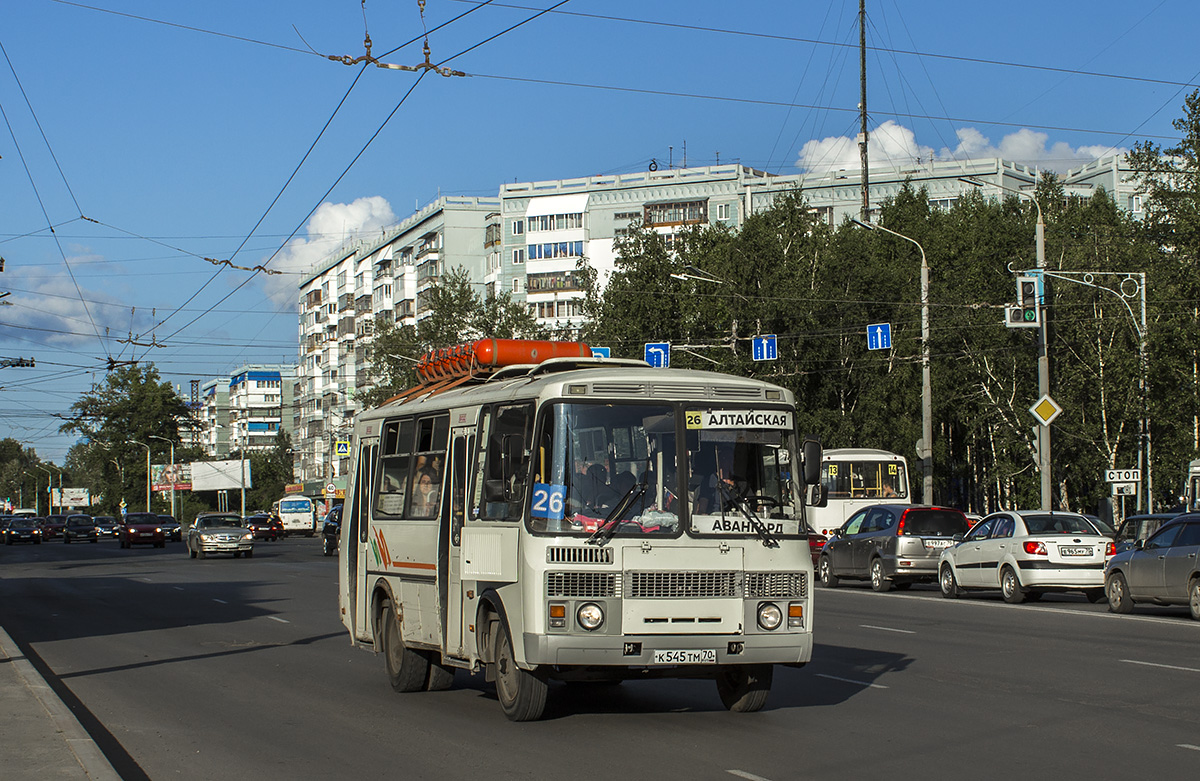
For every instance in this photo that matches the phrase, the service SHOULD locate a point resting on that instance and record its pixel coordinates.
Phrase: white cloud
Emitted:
(331, 226)
(893, 145)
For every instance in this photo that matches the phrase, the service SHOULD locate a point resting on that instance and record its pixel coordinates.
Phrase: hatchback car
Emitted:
(219, 533)
(891, 545)
(1026, 554)
(1163, 570)
(23, 528)
(80, 527)
(142, 529)
(106, 525)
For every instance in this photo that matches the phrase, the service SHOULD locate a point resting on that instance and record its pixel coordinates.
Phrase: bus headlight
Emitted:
(769, 615)
(590, 616)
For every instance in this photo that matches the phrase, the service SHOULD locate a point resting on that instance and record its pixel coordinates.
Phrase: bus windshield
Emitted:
(295, 506)
(591, 460)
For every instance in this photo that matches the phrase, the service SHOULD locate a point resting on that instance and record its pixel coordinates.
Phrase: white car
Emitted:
(1026, 553)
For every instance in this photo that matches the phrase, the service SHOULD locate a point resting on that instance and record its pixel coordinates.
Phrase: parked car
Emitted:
(1164, 569)
(142, 529)
(52, 526)
(891, 545)
(1026, 554)
(23, 528)
(219, 533)
(171, 527)
(1139, 527)
(106, 525)
(80, 527)
(265, 527)
(331, 530)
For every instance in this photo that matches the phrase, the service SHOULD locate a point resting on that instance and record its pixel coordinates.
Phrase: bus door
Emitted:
(356, 540)
(454, 513)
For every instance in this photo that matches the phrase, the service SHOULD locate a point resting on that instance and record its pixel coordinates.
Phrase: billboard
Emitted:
(164, 476)
(70, 497)
(220, 475)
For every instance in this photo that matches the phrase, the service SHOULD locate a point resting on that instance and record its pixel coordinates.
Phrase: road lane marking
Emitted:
(848, 680)
(177, 588)
(280, 620)
(887, 629)
(146, 580)
(223, 602)
(1187, 746)
(745, 775)
(1164, 666)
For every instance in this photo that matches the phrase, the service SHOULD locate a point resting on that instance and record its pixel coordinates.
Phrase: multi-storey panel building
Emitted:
(260, 406)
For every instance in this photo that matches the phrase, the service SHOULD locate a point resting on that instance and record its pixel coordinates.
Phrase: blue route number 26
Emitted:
(548, 501)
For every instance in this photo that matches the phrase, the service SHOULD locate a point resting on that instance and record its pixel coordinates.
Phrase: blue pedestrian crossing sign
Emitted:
(658, 354)
(879, 336)
(601, 352)
(764, 348)
(341, 448)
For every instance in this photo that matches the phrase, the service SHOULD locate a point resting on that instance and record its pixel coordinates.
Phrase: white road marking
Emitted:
(177, 588)
(223, 602)
(745, 775)
(280, 620)
(887, 629)
(848, 680)
(146, 580)
(1187, 746)
(1164, 666)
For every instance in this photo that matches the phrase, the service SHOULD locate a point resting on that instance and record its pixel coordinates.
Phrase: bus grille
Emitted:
(581, 555)
(776, 585)
(677, 585)
(581, 584)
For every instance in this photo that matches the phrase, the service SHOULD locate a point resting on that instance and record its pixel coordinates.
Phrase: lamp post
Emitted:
(173, 476)
(143, 444)
(35, 491)
(1043, 432)
(49, 476)
(60, 494)
(926, 449)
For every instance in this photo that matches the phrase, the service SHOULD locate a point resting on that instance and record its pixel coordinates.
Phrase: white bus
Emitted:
(297, 513)
(853, 478)
(578, 519)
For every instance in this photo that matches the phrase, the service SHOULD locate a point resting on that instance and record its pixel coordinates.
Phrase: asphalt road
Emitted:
(192, 669)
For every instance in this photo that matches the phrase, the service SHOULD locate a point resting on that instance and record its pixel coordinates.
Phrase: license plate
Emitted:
(690, 656)
(937, 543)
(1068, 551)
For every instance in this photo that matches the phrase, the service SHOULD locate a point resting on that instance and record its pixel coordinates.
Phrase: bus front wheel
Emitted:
(522, 693)
(744, 687)
(407, 669)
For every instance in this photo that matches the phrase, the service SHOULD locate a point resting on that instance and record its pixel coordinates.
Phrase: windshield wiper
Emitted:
(608, 527)
(759, 527)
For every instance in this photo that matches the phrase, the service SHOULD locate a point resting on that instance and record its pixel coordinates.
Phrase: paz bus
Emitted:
(297, 513)
(855, 477)
(531, 513)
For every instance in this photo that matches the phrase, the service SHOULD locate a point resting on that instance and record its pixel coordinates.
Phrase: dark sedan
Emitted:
(23, 528)
(142, 529)
(80, 527)
(106, 525)
(264, 527)
(171, 527)
(53, 525)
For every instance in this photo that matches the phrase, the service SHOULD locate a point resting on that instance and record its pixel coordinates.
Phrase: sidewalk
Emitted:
(41, 737)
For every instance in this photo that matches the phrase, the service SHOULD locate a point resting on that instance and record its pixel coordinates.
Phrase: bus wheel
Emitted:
(441, 676)
(407, 670)
(522, 693)
(744, 687)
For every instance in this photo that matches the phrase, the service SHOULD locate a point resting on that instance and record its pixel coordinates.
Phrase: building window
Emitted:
(516, 287)
(341, 279)
(556, 222)
(557, 249)
(722, 211)
(676, 213)
(518, 257)
(518, 227)
(555, 280)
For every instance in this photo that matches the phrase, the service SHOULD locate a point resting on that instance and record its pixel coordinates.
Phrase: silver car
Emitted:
(219, 533)
(1163, 570)
(890, 545)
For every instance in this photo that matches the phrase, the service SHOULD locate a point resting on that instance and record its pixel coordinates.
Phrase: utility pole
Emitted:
(862, 109)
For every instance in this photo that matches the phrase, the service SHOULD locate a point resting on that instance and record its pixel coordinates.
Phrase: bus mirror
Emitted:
(818, 495)
(812, 462)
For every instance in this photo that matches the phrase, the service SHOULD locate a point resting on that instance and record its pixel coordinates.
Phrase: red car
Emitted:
(53, 527)
(142, 529)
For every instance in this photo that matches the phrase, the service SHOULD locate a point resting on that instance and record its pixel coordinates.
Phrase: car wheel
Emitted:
(879, 581)
(743, 688)
(1010, 587)
(249, 554)
(522, 693)
(828, 579)
(1194, 598)
(191, 551)
(1095, 595)
(66, 540)
(237, 554)
(948, 583)
(407, 669)
(1118, 594)
(200, 554)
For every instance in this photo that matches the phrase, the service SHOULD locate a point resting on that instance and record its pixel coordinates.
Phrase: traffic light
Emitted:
(1027, 313)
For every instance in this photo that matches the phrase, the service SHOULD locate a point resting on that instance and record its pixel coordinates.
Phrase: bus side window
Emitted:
(394, 461)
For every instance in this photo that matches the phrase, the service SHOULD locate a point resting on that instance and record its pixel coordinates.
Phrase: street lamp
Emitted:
(173, 477)
(36, 506)
(1043, 432)
(49, 475)
(143, 444)
(926, 384)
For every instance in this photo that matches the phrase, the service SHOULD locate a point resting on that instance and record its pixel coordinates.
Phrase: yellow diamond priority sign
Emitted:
(1046, 410)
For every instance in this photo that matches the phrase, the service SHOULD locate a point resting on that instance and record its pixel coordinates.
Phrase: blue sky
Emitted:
(172, 128)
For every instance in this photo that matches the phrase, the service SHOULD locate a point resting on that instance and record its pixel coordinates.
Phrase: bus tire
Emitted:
(744, 687)
(441, 676)
(522, 693)
(407, 670)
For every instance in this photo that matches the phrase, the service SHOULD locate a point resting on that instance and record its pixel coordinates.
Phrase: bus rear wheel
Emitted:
(522, 693)
(407, 669)
(744, 687)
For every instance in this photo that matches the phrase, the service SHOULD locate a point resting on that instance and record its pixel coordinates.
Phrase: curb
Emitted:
(91, 759)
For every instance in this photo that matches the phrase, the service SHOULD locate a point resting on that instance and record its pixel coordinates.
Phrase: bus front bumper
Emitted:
(638, 651)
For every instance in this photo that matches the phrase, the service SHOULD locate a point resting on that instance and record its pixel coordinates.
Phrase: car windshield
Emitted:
(1058, 524)
(141, 518)
(220, 521)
